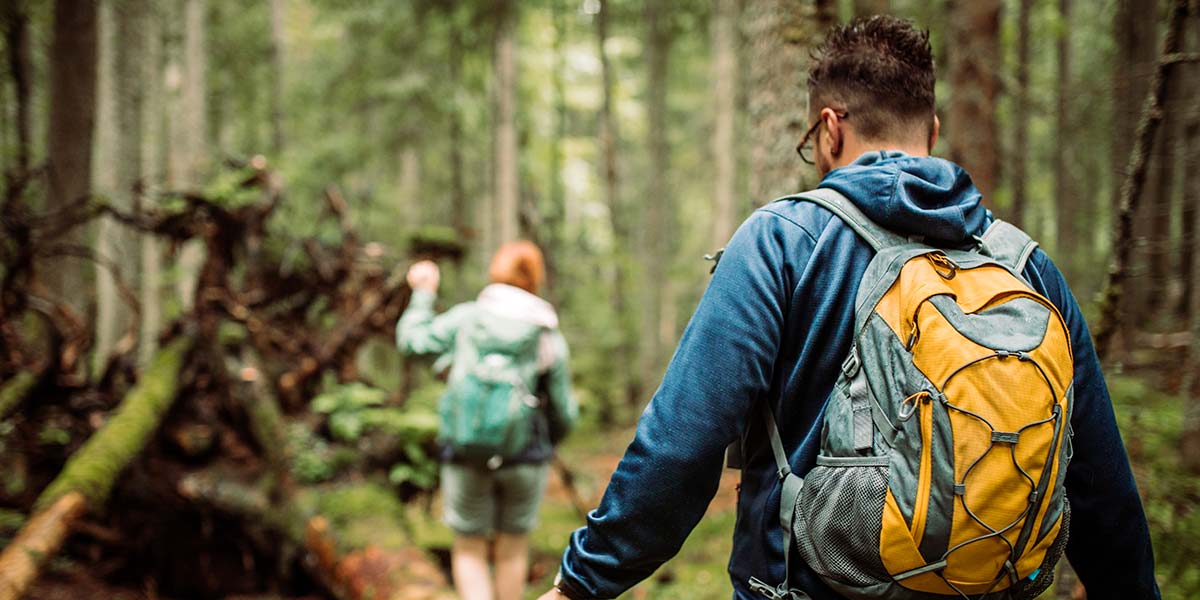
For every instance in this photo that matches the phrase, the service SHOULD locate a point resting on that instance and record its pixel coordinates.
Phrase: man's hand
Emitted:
(553, 594)
(424, 276)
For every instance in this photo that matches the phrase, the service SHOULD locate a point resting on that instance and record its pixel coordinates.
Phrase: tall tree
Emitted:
(504, 88)
(975, 86)
(126, 40)
(1020, 158)
(1190, 443)
(628, 381)
(277, 76)
(1070, 210)
(187, 162)
(782, 33)
(153, 172)
(69, 130)
(657, 233)
(20, 68)
(724, 145)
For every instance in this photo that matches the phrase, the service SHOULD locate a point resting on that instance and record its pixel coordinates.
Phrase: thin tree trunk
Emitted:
(277, 76)
(781, 35)
(1156, 214)
(1069, 209)
(1189, 447)
(188, 161)
(458, 191)
(657, 234)
(20, 68)
(975, 85)
(554, 215)
(1131, 190)
(71, 123)
(628, 381)
(115, 242)
(1020, 154)
(505, 175)
(153, 172)
(724, 144)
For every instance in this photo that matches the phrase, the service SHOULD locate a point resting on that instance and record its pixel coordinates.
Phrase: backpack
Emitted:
(947, 436)
(489, 407)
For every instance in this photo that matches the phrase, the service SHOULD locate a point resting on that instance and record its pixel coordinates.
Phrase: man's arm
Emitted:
(1109, 543)
(672, 468)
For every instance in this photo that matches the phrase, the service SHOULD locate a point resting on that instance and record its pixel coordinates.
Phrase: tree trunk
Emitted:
(1020, 154)
(505, 167)
(153, 172)
(975, 85)
(866, 8)
(1070, 212)
(20, 68)
(1133, 186)
(277, 77)
(781, 35)
(1189, 266)
(657, 249)
(555, 212)
(115, 242)
(88, 477)
(724, 144)
(627, 380)
(69, 133)
(188, 160)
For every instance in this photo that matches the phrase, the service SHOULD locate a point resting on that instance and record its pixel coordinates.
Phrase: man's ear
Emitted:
(833, 131)
(933, 132)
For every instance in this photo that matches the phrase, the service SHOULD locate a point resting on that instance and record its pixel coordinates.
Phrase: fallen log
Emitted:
(13, 391)
(88, 477)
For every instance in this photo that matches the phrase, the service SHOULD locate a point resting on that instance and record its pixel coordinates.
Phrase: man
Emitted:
(775, 324)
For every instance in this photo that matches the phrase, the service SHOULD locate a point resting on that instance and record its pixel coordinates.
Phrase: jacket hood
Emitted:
(511, 319)
(919, 196)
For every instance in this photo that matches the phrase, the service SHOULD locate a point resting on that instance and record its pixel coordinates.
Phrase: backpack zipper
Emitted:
(925, 475)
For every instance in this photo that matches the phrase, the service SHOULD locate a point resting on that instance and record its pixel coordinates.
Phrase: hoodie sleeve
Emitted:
(672, 469)
(1109, 543)
(421, 331)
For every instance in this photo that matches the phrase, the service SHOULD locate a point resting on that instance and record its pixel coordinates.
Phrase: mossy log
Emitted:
(88, 477)
(13, 391)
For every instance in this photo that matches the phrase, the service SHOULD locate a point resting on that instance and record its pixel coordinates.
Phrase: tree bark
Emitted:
(628, 381)
(187, 163)
(975, 86)
(505, 166)
(1132, 188)
(1190, 267)
(657, 248)
(88, 477)
(20, 68)
(1070, 212)
(724, 144)
(1020, 155)
(70, 127)
(781, 35)
(153, 173)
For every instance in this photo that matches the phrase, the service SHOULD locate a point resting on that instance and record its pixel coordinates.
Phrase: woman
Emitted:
(507, 402)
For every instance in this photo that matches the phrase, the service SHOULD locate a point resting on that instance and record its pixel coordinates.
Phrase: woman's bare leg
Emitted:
(469, 562)
(512, 565)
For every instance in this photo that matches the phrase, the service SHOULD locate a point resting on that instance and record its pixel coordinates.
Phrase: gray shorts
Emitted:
(479, 501)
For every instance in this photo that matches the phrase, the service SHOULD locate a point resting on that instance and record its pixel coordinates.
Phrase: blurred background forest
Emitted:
(208, 206)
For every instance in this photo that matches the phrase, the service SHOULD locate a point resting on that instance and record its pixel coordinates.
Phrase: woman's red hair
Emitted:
(519, 264)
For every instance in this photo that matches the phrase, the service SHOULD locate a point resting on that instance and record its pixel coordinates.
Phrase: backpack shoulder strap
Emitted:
(841, 206)
(1008, 245)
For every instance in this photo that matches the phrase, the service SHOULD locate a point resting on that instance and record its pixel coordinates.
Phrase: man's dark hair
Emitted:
(879, 70)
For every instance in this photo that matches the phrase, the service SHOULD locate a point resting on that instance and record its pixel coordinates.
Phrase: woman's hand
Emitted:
(424, 276)
(553, 594)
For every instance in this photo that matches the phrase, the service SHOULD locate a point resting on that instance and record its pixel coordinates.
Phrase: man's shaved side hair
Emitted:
(879, 70)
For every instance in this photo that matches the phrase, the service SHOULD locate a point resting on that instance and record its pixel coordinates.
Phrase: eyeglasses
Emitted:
(802, 147)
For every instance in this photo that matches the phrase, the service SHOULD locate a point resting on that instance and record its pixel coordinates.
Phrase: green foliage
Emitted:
(419, 468)
(315, 460)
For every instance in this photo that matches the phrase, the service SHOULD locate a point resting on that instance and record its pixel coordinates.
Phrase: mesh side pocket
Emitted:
(837, 524)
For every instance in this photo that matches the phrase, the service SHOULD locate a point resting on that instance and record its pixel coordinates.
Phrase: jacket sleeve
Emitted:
(672, 469)
(1109, 545)
(421, 331)
(563, 409)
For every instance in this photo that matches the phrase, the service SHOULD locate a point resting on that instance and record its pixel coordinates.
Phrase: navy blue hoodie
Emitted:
(774, 326)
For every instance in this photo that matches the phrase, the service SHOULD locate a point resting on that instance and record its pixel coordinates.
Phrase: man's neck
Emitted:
(852, 149)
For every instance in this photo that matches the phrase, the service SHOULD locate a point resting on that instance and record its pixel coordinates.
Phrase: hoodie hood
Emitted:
(918, 196)
(511, 320)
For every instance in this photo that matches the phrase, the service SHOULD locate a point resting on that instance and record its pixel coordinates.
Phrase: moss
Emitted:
(360, 514)
(14, 390)
(94, 468)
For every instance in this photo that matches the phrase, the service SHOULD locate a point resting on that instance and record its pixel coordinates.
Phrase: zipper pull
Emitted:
(757, 585)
